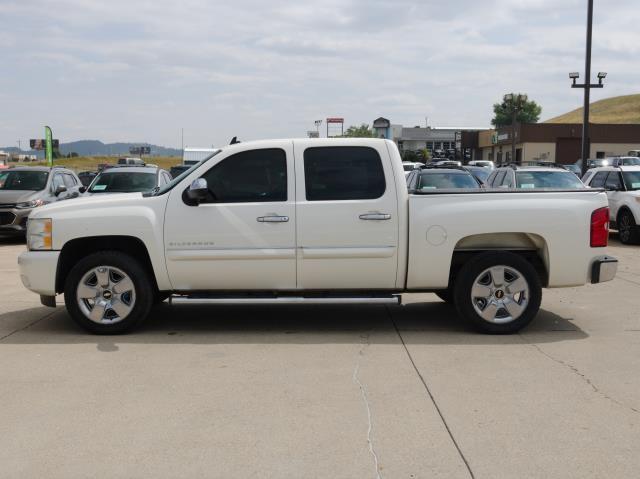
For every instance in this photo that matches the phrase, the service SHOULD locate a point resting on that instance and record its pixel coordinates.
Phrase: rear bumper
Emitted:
(603, 269)
(38, 271)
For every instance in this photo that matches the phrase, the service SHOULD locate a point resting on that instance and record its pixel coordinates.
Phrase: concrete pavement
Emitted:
(324, 391)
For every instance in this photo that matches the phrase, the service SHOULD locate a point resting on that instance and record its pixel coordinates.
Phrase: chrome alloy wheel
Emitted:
(500, 294)
(106, 295)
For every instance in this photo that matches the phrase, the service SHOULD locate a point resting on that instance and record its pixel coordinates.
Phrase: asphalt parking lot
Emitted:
(324, 391)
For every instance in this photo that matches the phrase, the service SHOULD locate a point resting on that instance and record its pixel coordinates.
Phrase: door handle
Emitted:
(375, 216)
(272, 219)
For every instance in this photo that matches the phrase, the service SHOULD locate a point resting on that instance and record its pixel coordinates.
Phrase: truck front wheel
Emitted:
(108, 292)
(498, 292)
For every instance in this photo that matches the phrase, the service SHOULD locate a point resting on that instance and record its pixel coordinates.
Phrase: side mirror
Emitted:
(82, 189)
(198, 190)
(60, 189)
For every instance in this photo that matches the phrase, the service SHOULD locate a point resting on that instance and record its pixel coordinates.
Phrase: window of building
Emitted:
(343, 173)
(249, 176)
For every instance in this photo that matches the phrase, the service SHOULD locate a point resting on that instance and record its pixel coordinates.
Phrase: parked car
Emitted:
(177, 170)
(316, 221)
(86, 177)
(625, 161)
(575, 169)
(483, 163)
(534, 177)
(441, 178)
(447, 163)
(129, 179)
(131, 161)
(409, 166)
(622, 185)
(480, 172)
(24, 188)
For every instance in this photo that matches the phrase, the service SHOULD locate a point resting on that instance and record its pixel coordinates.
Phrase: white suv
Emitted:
(622, 184)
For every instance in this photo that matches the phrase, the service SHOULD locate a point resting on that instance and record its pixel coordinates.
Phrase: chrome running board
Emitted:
(391, 299)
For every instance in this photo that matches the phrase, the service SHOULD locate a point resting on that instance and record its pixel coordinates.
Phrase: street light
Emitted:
(514, 103)
(587, 86)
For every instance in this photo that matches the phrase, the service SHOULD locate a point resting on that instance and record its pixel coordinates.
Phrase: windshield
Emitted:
(632, 180)
(23, 180)
(548, 179)
(169, 186)
(438, 181)
(129, 182)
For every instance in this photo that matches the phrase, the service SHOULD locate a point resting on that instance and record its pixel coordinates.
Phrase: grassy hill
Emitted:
(90, 163)
(619, 109)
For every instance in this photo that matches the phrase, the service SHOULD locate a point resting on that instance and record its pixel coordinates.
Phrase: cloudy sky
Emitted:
(140, 70)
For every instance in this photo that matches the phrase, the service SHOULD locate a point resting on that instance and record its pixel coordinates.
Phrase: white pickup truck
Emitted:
(313, 220)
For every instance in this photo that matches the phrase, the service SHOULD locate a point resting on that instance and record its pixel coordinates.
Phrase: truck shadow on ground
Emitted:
(419, 323)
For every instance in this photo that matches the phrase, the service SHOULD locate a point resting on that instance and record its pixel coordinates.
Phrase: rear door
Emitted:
(346, 206)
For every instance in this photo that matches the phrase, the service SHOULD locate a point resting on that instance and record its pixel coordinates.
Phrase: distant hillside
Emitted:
(619, 109)
(97, 148)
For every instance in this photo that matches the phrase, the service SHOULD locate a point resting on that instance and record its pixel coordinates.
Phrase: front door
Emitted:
(242, 237)
(347, 218)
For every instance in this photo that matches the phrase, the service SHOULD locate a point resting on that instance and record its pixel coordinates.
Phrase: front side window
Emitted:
(632, 180)
(497, 180)
(129, 182)
(343, 173)
(58, 181)
(249, 176)
(613, 181)
(547, 179)
(23, 180)
(598, 179)
(69, 180)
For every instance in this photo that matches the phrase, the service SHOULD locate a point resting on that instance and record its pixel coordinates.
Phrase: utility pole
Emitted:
(182, 138)
(19, 147)
(514, 103)
(587, 86)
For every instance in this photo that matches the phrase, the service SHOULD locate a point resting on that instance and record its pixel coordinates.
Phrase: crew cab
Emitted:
(313, 220)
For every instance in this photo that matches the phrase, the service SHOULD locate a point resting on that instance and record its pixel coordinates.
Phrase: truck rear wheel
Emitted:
(108, 292)
(498, 293)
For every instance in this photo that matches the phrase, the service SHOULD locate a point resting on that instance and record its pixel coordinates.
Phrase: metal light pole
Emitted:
(514, 103)
(587, 86)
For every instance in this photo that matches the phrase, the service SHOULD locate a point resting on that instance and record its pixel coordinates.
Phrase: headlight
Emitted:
(39, 233)
(30, 204)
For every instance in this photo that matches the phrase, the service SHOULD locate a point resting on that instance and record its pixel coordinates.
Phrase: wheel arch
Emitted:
(531, 247)
(623, 209)
(78, 248)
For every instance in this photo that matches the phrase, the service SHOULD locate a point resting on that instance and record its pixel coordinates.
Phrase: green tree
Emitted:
(502, 113)
(362, 131)
(410, 155)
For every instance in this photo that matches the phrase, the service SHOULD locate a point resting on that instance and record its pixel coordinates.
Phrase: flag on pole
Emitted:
(48, 145)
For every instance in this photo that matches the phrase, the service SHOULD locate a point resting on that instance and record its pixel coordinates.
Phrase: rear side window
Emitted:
(343, 173)
(598, 179)
(249, 176)
(508, 180)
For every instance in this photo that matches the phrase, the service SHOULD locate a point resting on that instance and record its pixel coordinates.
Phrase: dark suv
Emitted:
(434, 177)
(24, 188)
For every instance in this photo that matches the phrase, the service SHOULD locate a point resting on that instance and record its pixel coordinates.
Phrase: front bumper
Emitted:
(38, 271)
(14, 219)
(603, 269)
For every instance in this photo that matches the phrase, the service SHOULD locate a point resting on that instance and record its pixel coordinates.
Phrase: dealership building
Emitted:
(418, 138)
(556, 142)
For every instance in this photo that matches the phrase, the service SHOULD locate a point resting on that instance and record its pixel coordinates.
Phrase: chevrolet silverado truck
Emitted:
(316, 221)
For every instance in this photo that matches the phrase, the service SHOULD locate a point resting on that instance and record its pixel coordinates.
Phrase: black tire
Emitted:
(628, 230)
(144, 292)
(514, 267)
(445, 295)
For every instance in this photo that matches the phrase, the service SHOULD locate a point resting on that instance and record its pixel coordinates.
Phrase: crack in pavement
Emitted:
(32, 323)
(580, 374)
(363, 392)
(433, 399)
